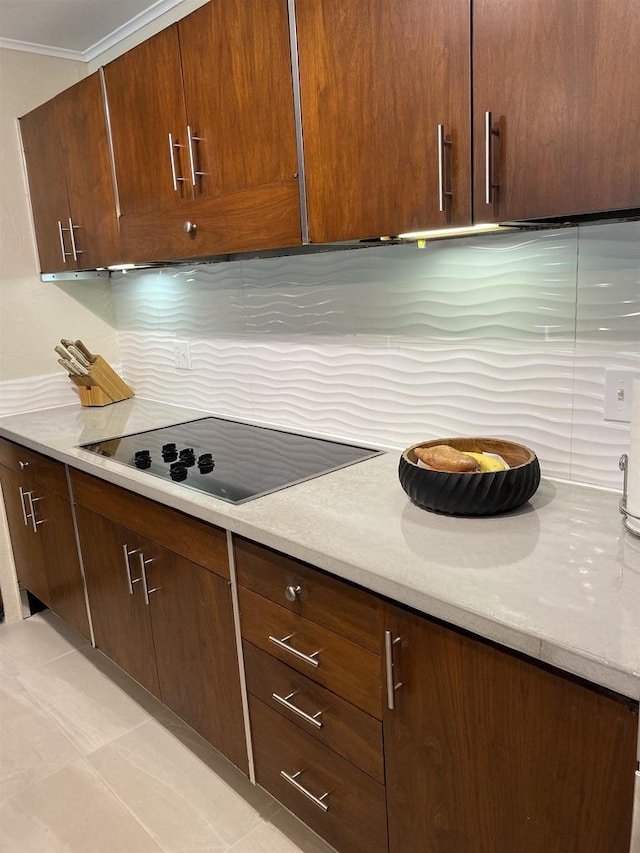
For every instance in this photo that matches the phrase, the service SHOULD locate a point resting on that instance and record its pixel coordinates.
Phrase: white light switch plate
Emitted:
(617, 394)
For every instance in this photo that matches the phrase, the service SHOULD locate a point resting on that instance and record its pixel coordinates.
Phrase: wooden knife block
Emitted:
(102, 386)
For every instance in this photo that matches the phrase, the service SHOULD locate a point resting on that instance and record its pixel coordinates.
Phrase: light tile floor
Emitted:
(91, 763)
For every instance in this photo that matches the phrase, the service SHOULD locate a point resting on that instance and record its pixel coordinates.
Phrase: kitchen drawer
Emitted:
(34, 468)
(339, 665)
(347, 730)
(330, 602)
(355, 819)
(190, 538)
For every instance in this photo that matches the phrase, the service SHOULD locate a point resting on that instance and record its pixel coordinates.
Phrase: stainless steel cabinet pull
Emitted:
(443, 179)
(74, 249)
(127, 553)
(292, 592)
(189, 227)
(25, 516)
(284, 700)
(318, 801)
(489, 179)
(283, 644)
(34, 521)
(392, 685)
(172, 157)
(145, 587)
(23, 465)
(192, 164)
(65, 254)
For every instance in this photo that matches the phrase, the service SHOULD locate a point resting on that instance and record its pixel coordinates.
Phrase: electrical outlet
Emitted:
(182, 355)
(617, 394)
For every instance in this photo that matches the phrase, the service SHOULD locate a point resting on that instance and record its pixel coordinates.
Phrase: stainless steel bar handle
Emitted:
(74, 249)
(175, 177)
(392, 685)
(25, 516)
(488, 177)
(127, 553)
(311, 719)
(65, 254)
(318, 801)
(143, 573)
(440, 144)
(283, 644)
(192, 162)
(34, 521)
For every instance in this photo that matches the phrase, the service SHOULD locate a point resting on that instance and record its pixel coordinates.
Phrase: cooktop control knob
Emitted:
(188, 457)
(168, 448)
(142, 459)
(205, 463)
(178, 471)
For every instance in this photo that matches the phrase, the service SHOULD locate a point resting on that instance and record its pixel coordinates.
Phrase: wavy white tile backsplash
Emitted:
(507, 335)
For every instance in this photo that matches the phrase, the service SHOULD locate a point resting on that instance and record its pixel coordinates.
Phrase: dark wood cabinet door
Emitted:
(25, 543)
(60, 554)
(50, 207)
(560, 80)
(491, 753)
(88, 172)
(121, 621)
(194, 637)
(239, 95)
(377, 79)
(146, 105)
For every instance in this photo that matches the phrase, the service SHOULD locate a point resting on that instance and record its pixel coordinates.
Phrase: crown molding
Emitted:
(130, 28)
(136, 23)
(44, 49)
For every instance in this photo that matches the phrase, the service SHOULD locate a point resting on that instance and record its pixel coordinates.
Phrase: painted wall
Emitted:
(506, 335)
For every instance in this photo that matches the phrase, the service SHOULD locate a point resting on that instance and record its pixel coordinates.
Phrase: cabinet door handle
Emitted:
(283, 644)
(174, 176)
(25, 515)
(490, 182)
(392, 684)
(32, 501)
(126, 554)
(192, 163)
(74, 249)
(65, 254)
(318, 801)
(444, 173)
(311, 719)
(143, 573)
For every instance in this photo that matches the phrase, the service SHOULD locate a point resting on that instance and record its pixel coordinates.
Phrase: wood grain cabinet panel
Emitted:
(309, 592)
(70, 180)
(377, 80)
(559, 79)
(203, 132)
(355, 817)
(338, 724)
(162, 617)
(489, 752)
(41, 528)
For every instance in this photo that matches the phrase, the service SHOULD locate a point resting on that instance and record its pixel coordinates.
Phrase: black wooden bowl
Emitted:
(476, 492)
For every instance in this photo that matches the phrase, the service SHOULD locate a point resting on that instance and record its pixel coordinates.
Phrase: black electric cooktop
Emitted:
(230, 460)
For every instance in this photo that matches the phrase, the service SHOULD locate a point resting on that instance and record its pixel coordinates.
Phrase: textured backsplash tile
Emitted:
(507, 335)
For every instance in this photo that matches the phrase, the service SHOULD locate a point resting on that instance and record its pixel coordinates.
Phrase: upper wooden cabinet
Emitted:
(70, 180)
(556, 107)
(204, 135)
(385, 94)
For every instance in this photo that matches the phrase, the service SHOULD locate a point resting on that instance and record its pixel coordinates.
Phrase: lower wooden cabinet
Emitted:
(489, 752)
(163, 618)
(43, 541)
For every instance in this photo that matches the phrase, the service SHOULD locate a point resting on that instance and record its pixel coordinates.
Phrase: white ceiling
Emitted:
(78, 29)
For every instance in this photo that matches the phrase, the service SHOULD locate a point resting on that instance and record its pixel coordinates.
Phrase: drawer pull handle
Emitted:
(390, 666)
(126, 553)
(34, 521)
(318, 801)
(292, 592)
(283, 644)
(23, 497)
(284, 700)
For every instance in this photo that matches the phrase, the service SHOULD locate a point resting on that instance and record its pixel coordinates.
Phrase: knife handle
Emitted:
(67, 366)
(79, 356)
(62, 351)
(85, 352)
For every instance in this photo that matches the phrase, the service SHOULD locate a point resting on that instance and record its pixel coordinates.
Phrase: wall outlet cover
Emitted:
(182, 355)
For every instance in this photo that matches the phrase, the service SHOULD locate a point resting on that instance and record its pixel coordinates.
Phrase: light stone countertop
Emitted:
(558, 579)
